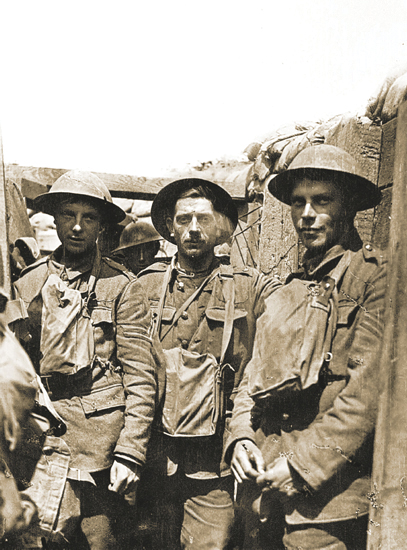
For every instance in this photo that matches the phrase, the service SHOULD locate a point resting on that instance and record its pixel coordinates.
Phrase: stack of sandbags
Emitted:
(383, 106)
(274, 154)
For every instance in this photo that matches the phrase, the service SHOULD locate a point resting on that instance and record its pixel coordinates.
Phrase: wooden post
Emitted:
(388, 518)
(5, 277)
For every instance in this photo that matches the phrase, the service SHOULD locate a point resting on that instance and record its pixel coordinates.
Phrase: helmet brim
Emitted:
(363, 194)
(127, 246)
(48, 203)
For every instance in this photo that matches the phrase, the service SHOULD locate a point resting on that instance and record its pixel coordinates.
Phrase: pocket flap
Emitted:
(168, 313)
(101, 315)
(218, 314)
(107, 398)
(345, 311)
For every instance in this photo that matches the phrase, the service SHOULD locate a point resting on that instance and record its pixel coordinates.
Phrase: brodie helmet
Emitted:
(78, 184)
(332, 163)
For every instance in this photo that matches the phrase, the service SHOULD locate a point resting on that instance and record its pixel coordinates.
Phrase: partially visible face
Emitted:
(78, 226)
(141, 256)
(195, 227)
(319, 214)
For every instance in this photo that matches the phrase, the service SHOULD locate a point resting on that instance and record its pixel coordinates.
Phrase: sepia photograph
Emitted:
(203, 266)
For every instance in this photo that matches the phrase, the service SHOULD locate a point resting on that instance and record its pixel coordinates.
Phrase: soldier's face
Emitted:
(141, 256)
(318, 213)
(78, 226)
(195, 227)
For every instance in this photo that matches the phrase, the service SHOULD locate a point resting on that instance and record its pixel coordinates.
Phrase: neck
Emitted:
(195, 264)
(81, 262)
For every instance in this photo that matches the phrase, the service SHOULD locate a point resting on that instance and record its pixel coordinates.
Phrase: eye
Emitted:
(297, 202)
(182, 220)
(67, 215)
(323, 201)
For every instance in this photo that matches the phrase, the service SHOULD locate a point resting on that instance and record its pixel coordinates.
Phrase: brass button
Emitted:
(184, 315)
(285, 416)
(184, 344)
(368, 247)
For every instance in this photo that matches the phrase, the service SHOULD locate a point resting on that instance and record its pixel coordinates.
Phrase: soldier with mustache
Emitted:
(204, 312)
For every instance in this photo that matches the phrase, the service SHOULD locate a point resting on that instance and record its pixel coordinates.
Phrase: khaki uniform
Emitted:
(328, 440)
(200, 330)
(103, 406)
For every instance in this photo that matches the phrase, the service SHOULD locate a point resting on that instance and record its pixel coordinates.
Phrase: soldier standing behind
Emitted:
(87, 330)
(205, 313)
(139, 244)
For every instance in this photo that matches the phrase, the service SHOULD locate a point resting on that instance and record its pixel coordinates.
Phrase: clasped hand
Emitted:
(248, 464)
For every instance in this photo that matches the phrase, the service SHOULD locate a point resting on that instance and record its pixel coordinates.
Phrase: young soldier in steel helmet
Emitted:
(138, 246)
(98, 369)
(186, 482)
(308, 444)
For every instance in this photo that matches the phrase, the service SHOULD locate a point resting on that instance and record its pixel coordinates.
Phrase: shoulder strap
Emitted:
(228, 287)
(184, 306)
(226, 274)
(337, 275)
(342, 266)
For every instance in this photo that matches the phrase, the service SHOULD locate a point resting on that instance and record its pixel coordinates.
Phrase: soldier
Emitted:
(87, 330)
(139, 244)
(18, 390)
(205, 313)
(303, 422)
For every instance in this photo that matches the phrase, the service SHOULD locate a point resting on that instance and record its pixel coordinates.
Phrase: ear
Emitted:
(170, 225)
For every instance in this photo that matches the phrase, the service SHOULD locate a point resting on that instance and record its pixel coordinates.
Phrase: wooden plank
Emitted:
(278, 251)
(5, 276)
(382, 218)
(361, 139)
(388, 525)
(388, 151)
(233, 179)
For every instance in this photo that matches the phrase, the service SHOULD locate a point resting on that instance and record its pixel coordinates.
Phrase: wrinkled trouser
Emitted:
(84, 517)
(338, 535)
(186, 513)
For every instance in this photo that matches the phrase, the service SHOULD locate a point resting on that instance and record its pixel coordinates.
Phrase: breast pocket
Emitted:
(216, 321)
(346, 313)
(104, 331)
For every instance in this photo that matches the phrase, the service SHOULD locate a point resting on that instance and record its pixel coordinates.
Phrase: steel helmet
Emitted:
(329, 162)
(165, 200)
(76, 183)
(136, 233)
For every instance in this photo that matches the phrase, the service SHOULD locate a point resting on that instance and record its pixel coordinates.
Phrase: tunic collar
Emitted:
(315, 267)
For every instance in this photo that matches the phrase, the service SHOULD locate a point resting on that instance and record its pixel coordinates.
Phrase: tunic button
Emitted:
(184, 344)
(368, 247)
(285, 416)
(184, 315)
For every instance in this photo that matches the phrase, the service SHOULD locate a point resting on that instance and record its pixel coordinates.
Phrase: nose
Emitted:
(193, 226)
(141, 254)
(308, 211)
(78, 223)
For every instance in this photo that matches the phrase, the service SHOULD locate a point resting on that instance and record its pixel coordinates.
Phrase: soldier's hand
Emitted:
(124, 476)
(278, 477)
(247, 461)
